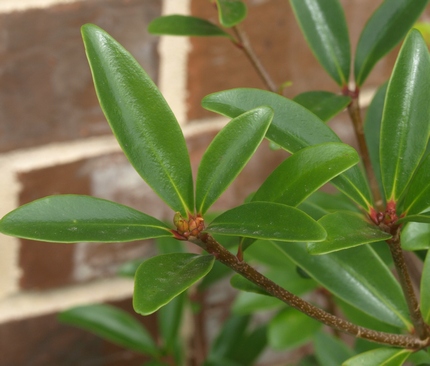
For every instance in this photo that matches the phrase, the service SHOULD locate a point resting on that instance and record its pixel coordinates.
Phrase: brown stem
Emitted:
(421, 328)
(355, 114)
(243, 43)
(208, 243)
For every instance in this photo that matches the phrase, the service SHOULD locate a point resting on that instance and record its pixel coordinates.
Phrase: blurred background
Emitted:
(54, 139)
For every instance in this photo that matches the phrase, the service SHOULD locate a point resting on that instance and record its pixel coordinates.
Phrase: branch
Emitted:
(208, 243)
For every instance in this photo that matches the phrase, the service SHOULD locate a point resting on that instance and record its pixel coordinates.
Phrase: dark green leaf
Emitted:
(73, 218)
(112, 324)
(416, 236)
(330, 350)
(293, 128)
(305, 172)
(385, 28)
(375, 289)
(249, 347)
(405, 123)
(266, 220)
(291, 328)
(346, 230)
(184, 25)
(425, 290)
(228, 153)
(141, 119)
(324, 104)
(324, 25)
(159, 279)
(231, 12)
(423, 217)
(380, 357)
(417, 198)
(372, 130)
(217, 273)
(250, 303)
(169, 319)
(241, 283)
(129, 269)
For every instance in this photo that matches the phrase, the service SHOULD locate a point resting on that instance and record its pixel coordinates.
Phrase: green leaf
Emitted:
(251, 302)
(416, 236)
(405, 123)
(324, 104)
(266, 220)
(159, 279)
(425, 290)
(372, 130)
(330, 350)
(231, 12)
(375, 290)
(241, 283)
(290, 129)
(250, 346)
(74, 218)
(112, 324)
(169, 318)
(324, 26)
(228, 153)
(141, 119)
(380, 357)
(185, 25)
(305, 172)
(291, 328)
(417, 198)
(385, 28)
(346, 230)
(423, 217)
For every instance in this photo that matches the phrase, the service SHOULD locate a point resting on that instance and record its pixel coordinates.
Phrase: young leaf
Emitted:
(417, 198)
(291, 328)
(266, 220)
(324, 104)
(416, 236)
(372, 130)
(185, 25)
(405, 122)
(141, 119)
(385, 28)
(305, 172)
(74, 218)
(330, 350)
(324, 26)
(228, 153)
(380, 357)
(425, 290)
(290, 129)
(346, 230)
(375, 290)
(231, 12)
(159, 279)
(112, 324)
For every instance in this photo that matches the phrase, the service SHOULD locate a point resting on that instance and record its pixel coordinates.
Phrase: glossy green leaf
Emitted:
(159, 279)
(291, 328)
(324, 104)
(380, 357)
(266, 220)
(324, 26)
(293, 128)
(359, 277)
(218, 272)
(74, 218)
(385, 28)
(422, 217)
(112, 324)
(330, 350)
(251, 302)
(405, 122)
(346, 230)
(305, 172)
(416, 236)
(372, 130)
(231, 12)
(141, 119)
(425, 290)
(417, 198)
(228, 153)
(185, 25)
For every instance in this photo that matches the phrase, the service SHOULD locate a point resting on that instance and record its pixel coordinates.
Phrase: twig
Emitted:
(208, 243)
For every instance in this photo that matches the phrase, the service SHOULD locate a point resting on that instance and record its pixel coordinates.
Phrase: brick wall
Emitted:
(54, 139)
